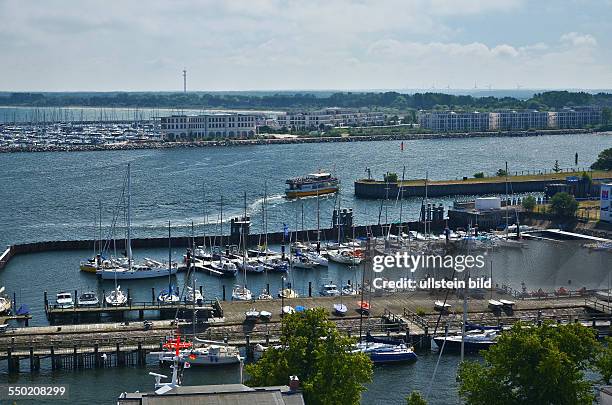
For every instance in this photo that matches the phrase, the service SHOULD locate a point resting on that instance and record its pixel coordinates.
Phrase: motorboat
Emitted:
(348, 289)
(206, 355)
(88, 299)
(241, 293)
(5, 303)
(116, 297)
(364, 307)
(168, 296)
(252, 266)
(276, 265)
(64, 300)
(193, 296)
(265, 315)
(382, 353)
(224, 266)
(92, 264)
(475, 340)
(442, 306)
(340, 309)
(252, 314)
(329, 290)
(287, 293)
(288, 309)
(507, 303)
(495, 305)
(604, 295)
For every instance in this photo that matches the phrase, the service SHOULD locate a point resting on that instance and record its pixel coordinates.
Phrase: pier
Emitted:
(520, 181)
(408, 316)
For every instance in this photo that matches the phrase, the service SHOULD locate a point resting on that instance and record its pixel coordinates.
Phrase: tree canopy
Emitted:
(388, 100)
(533, 365)
(563, 205)
(322, 358)
(604, 160)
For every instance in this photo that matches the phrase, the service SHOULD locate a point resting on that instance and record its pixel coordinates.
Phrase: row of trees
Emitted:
(386, 100)
(528, 365)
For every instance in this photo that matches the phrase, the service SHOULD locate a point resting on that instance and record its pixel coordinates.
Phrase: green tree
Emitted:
(529, 203)
(314, 350)
(606, 115)
(604, 160)
(533, 365)
(479, 175)
(415, 398)
(556, 167)
(391, 177)
(563, 205)
(603, 364)
(501, 173)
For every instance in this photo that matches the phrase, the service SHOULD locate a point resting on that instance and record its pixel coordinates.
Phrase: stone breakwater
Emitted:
(285, 140)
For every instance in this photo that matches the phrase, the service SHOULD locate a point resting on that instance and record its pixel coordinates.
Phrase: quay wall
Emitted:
(378, 190)
(297, 140)
(186, 241)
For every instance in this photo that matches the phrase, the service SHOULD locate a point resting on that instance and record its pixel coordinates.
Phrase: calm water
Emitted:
(47, 196)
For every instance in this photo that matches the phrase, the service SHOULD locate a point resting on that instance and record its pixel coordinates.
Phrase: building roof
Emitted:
(226, 394)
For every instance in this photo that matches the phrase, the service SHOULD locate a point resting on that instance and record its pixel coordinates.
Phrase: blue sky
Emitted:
(131, 45)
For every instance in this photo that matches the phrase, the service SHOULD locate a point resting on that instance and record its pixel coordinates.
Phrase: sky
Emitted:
(127, 45)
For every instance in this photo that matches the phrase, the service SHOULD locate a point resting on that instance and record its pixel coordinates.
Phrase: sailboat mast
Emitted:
(169, 261)
(506, 201)
(129, 218)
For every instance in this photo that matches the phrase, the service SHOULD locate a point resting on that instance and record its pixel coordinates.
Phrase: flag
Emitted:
(285, 230)
(402, 146)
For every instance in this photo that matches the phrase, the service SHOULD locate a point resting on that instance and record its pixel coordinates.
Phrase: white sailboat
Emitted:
(241, 292)
(127, 271)
(5, 303)
(116, 297)
(169, 296)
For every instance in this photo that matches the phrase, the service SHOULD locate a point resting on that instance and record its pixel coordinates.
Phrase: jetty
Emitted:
(522, 182)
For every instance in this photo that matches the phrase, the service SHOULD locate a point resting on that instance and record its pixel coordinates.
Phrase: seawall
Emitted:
(186, 241)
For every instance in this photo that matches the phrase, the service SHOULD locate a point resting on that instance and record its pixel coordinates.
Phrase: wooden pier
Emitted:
(210, 309)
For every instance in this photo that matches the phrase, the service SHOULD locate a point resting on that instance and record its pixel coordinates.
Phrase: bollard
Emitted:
(74, 358)
(249, 351)
(153, 295)
(223, 292)
(96, 356)
(53, 360)
(267, 339)
(31, 359)
(310, 288)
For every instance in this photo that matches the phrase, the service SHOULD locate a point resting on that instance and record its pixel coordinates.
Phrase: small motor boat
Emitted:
(64, 300)
(442, 306)
(288, 309)
(252, 314)
(340, 309)
(88, 299)
(364, 307)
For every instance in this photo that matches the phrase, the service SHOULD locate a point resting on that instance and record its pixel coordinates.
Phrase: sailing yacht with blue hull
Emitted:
(383, 353)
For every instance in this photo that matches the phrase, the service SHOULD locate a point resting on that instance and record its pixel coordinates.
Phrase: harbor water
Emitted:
(52, 196)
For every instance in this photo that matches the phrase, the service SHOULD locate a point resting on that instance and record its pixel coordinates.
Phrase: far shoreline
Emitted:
(292, 140)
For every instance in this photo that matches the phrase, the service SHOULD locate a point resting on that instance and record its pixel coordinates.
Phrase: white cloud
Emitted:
(281, 44)
(577, 39)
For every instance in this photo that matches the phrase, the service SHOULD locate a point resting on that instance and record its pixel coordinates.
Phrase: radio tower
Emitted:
(184, 80)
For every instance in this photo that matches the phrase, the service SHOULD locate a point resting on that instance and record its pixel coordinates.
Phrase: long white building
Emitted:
(329, 117)
(509, 120)
(209, 125)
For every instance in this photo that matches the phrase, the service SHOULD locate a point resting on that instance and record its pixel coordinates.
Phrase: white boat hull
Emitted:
(124, 274)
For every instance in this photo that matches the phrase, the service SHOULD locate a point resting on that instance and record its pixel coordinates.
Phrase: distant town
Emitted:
(41, 125)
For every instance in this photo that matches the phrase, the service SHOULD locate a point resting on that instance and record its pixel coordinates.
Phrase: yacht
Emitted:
(345, 257)
(206, 355)
(88, 299)
(64, 300)
(329, 290)
(475, 340)
(168, 296)
(382, 353)
(193, 296)
(287, 293)
(225, 266)
(148, 269)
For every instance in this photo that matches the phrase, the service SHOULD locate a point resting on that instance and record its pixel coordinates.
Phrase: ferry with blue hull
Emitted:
(314, 184)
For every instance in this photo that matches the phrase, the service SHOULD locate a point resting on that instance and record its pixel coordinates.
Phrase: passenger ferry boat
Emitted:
(311, 185)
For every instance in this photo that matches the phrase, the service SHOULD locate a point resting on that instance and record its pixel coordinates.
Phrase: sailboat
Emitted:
(169, 296)
(127, 271)
(241, 292)
(5, 303)
(116, 297)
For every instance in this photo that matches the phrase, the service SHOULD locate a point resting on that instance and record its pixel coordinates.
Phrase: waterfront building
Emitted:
(605, 200)
(509, 120)
(329, 117)
(209, 125)
(455, 121)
